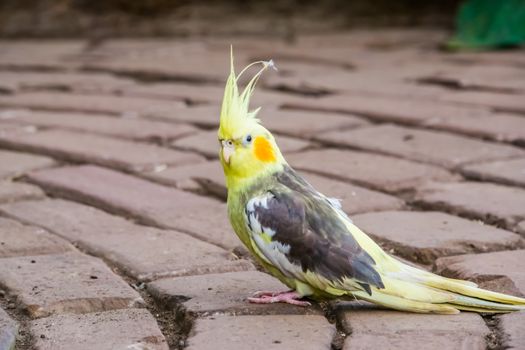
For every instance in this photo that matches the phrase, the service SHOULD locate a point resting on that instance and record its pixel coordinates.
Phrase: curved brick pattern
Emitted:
(502, 271)
(420, 145)
(14, 191)
(306, 124)
(402, 110)
(81, 147)
(513, 326)
(425, 236)
(119, 329)
(495, 126)
(225, 293)
(504, 102)
(71, 81)
(188, 177)
(500, 78)
(378, 329)
(17, 239)
(8, 331)
(105, 104)
(195, 94)
(270, 332)
(142, 252)
(122, 127)
(508, 172)
(369, 170)
(148, 202)
(39, 55)
(64, 283)
(488, 202)
(206, 143)
(15, 163)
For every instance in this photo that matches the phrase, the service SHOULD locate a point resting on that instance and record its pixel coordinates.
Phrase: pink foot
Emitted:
(266, 297)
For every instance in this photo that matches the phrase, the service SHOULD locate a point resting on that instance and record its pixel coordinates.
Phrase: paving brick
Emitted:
(268, 332)
(81, 147)
(380, 329)
(15, 163)
(189, 177)
(65, 81)
(8, 331)
(388, 109)
(105, 104)
(65, 283)
(39, 54)
(521, 228)
(306, 124)
(500, 101)
(147, 202)
(425, 236)
(500, 271)
(495, 126)
(201, 115)
(498, 204)
(18, 239)
(513, 326)
(119, 329)
(14, 191)
(370, 170)
(206, 143)
(421, 145)
(142, 252)
(130, 127)
(225, 293)
(508, 172)
(497, 78)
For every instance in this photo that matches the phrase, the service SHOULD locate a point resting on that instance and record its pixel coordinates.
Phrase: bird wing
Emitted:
(305, 237)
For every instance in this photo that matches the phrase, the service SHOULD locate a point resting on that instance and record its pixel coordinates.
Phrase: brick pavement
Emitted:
(113, 226)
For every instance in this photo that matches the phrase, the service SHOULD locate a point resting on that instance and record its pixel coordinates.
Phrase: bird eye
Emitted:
(248, 139)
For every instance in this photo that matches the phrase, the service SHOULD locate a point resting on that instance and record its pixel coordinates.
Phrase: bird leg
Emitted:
(267, 297)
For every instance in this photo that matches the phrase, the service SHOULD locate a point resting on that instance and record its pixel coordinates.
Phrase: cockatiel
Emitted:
(305, 239)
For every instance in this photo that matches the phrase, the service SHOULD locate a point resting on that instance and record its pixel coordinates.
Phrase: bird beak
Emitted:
(227, 151)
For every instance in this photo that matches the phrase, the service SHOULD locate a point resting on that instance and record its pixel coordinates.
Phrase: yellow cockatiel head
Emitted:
(247, 148)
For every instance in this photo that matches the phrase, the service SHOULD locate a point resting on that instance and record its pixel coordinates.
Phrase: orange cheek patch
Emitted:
(263, 149)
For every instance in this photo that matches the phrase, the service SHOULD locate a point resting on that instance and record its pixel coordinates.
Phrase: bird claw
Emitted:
(289, 297)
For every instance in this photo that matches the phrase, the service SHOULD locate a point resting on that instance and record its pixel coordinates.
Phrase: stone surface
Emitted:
(142, 252)
(68, 81)
(293, 332)
(105, 104)
(375, 328)
(15, 163)
(513, 326)
(8, 331)
(500, 101)
(14, 191)
(387, 109)
(189, 177)
(508, 172)
(420, 145)
(119, 329)
(306, 124)
(65, 283)
(425, 236)
(225, 293)
(505, 269)
(123, 127)
(206, 143)
(370, 170)
(81, 147)
(496, 126)
(147, 202)
(18, 239)
(501, 205)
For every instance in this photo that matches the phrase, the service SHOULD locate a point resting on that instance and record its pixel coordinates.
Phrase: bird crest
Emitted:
(235, 111)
